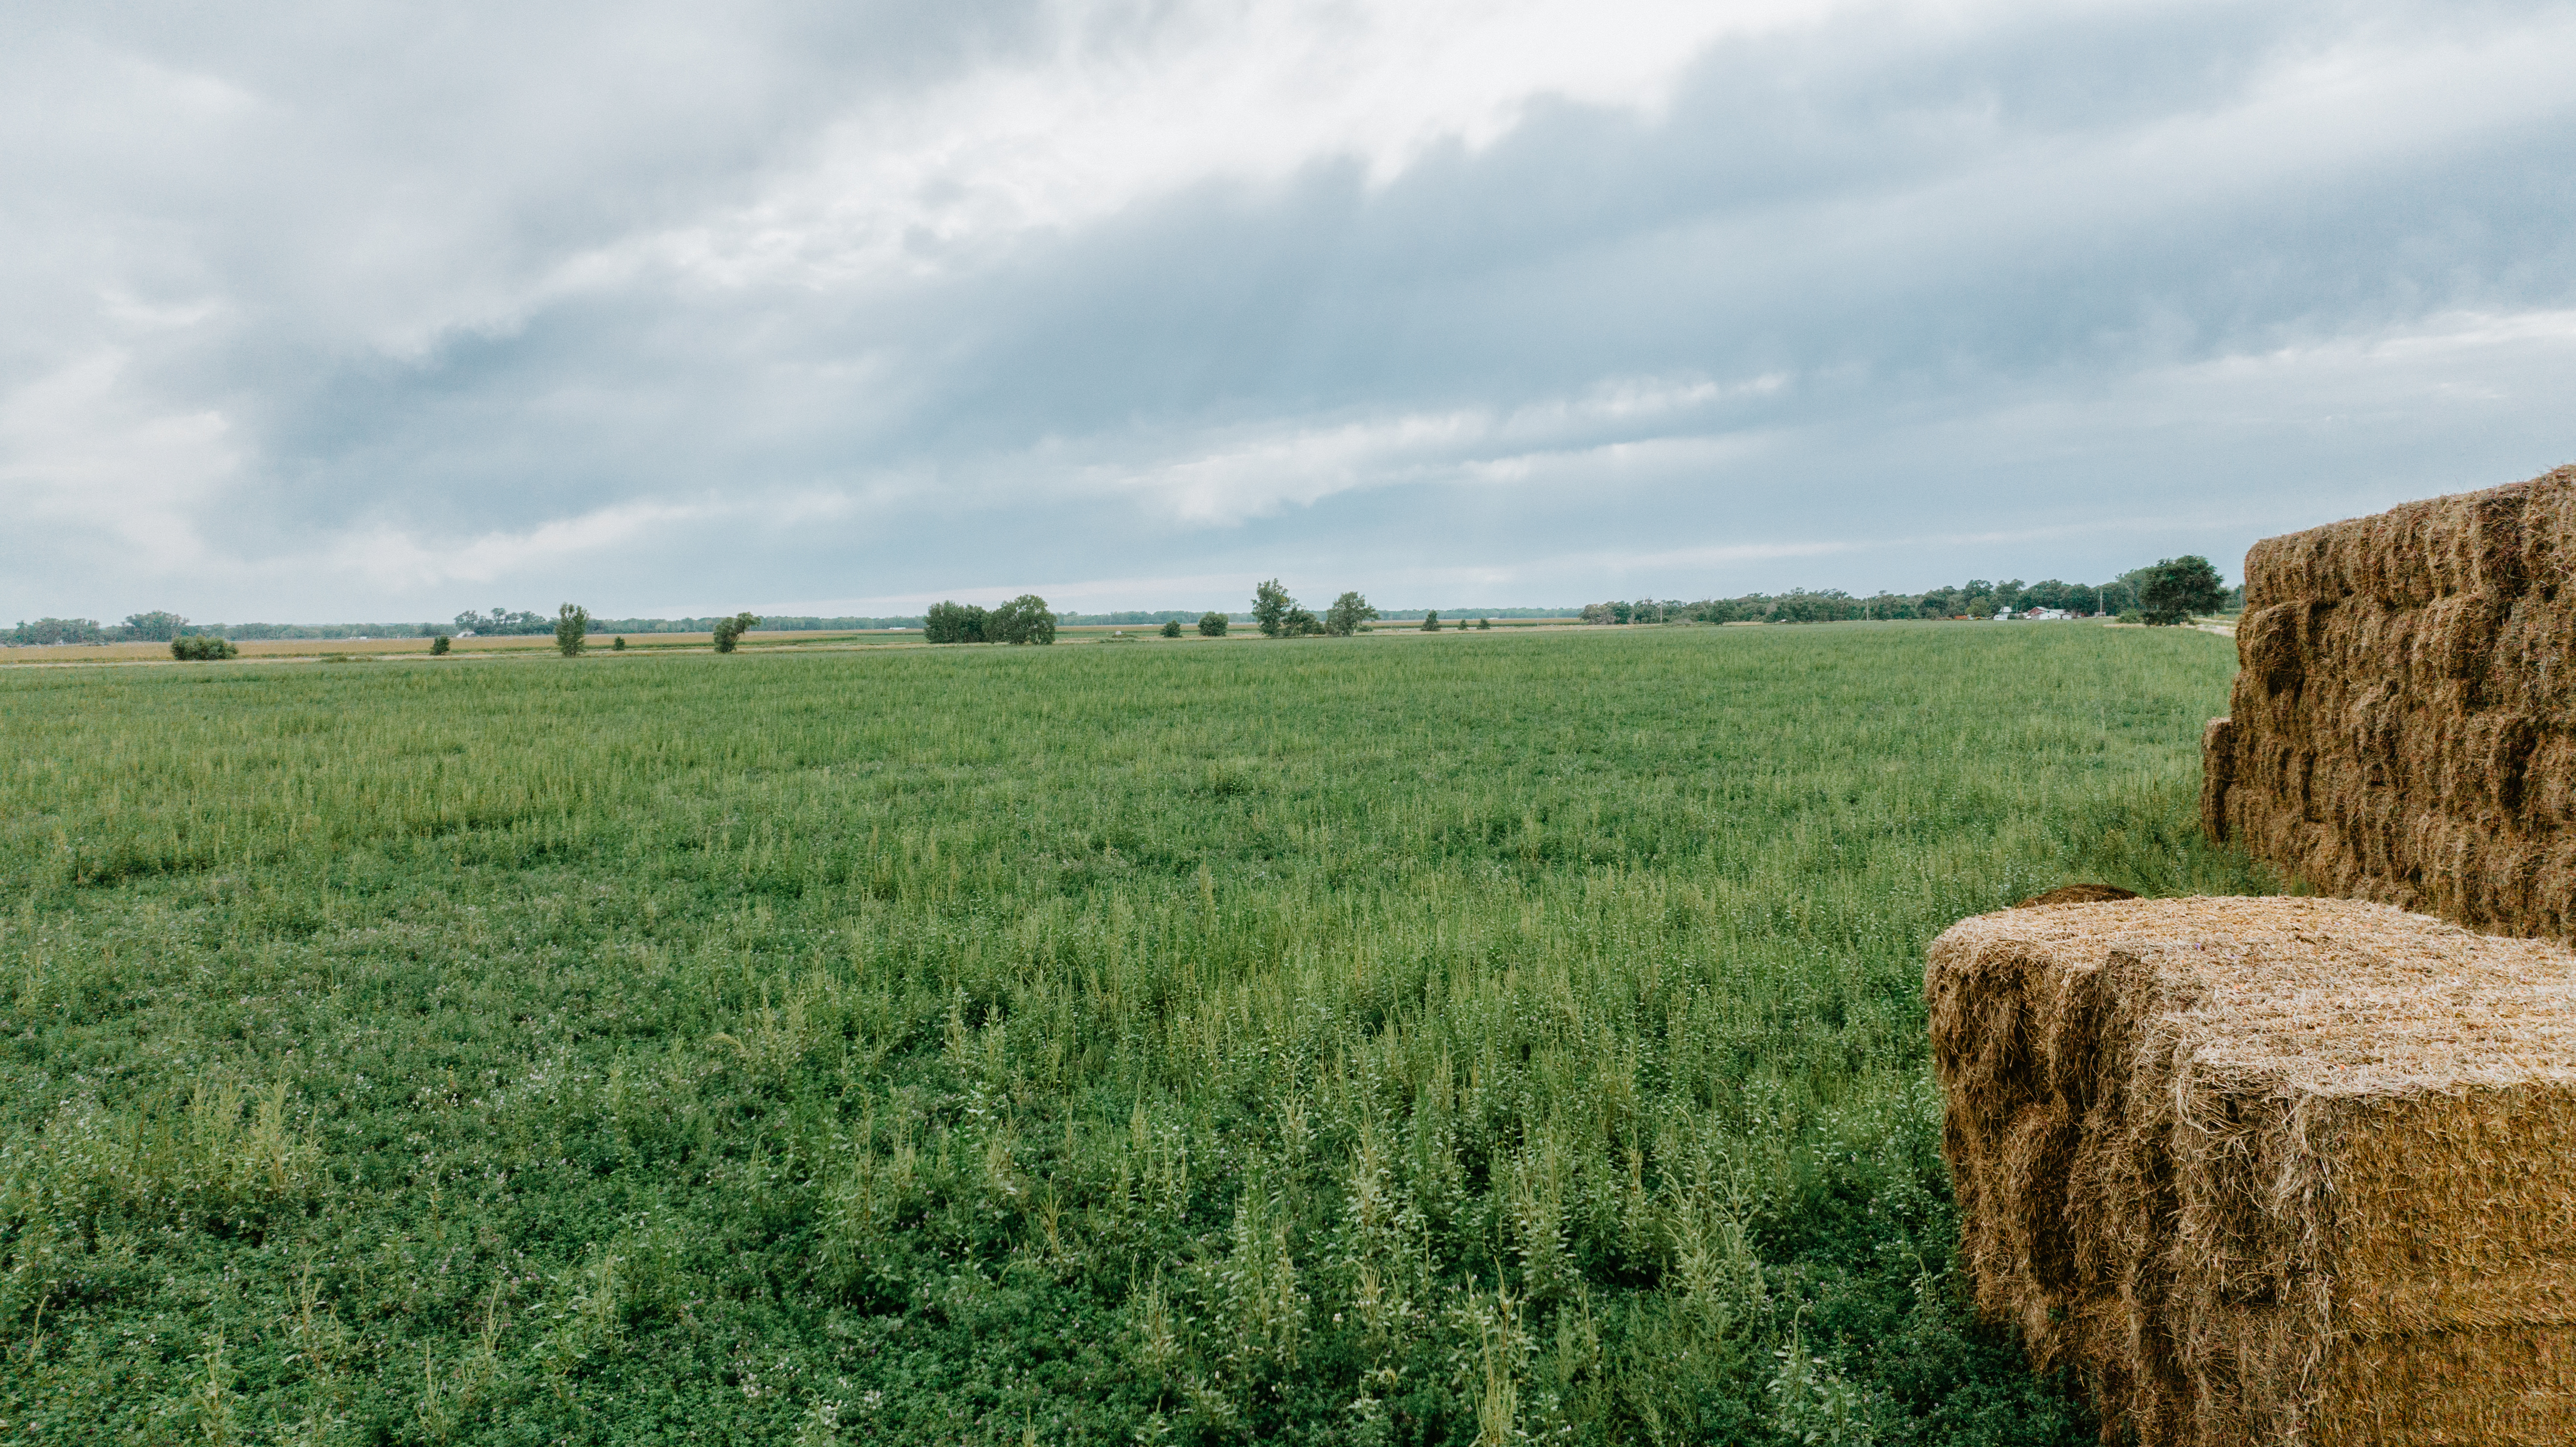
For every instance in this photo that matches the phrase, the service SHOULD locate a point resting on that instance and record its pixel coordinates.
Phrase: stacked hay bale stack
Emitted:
(2403, 726)
(2272, 1170)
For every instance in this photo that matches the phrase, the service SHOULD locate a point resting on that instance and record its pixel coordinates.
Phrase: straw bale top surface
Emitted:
(2315, 996)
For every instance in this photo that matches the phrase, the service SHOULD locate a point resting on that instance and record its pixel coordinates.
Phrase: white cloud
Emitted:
(1232, 476)
(98, 471)
(331, 313)
(1125, 102)
(410, 559)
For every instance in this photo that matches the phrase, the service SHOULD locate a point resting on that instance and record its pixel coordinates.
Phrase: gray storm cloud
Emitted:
(678, 309)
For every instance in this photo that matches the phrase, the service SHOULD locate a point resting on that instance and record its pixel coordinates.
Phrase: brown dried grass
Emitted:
(2079, 894)
(2403, 726)
(2276, 1170)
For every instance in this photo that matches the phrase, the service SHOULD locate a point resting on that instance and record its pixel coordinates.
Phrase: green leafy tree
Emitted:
(202, 647)
(1348, 612)
(151, 627)
(1212, 624)
(572, 626)
(58, 630)
(501, 623)
(729, 631)
(2176, 588)
(1270, 605)
(1431, 620)
(1833, 605)
(1171, 627)
(1484, 625)
(954, 623)
(1301, 623)
(439, 644)
(1024, 619)
(618, 643)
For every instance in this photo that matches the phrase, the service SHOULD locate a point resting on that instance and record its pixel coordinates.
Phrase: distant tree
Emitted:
(1024, 619)
(2176, 588)
(1833, 605)
(729, 631)
(1270, 605)
(1599, 613)
(1301, 622)
(1212, 624)
(438, 645)
(58, 630)
(572, 625)
(2127, 592)
(1346, 615)
(151, 627)
(1171, 627)
(1430, 620)
(201, 648)
(501, 623)
(1484, 625)
(617, 644)
(953, 623)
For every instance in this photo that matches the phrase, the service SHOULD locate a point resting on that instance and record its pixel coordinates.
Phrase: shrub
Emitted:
(1484, 625)
(1024, 619)
(1300, 623)
(439, 644)
(729, 631)
(617, 644)
(954, 623)
(2130, 615)
(1171, 627)
(1431, 620)
(1346, 615)
(202, 647)
(572, 626)
(1212, 625)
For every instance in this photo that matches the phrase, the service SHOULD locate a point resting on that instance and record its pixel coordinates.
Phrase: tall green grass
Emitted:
(1384, 1040)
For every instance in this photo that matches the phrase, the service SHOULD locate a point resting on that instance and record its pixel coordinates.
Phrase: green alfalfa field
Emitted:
(1401, 1039)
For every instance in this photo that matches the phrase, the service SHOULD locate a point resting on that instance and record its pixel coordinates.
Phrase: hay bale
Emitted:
(2404, 716)
(2271, 1170)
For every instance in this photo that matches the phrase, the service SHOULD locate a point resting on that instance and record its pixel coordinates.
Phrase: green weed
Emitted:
(1328, 1041)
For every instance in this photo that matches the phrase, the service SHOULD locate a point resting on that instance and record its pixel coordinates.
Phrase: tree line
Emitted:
(1024, 619)
(2166, 592)
(137, 628)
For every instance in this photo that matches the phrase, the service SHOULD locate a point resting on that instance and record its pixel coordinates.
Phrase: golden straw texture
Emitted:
(2271, 1170)
(2403, 726)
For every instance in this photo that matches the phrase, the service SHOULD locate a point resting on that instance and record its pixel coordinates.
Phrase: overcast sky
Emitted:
(382, 312)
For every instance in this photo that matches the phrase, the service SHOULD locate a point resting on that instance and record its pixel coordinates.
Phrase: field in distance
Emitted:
(317, 648)
(310, 649)
(1314, 1041)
